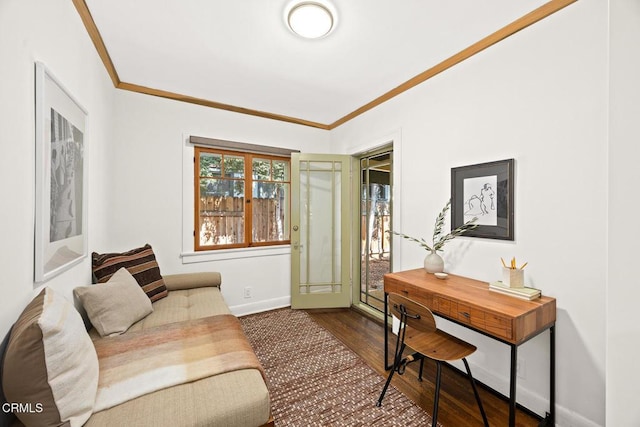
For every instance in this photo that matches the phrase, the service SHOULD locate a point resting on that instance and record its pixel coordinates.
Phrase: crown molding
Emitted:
(96, 38)
(530, 18)
(519, 24)
(218, 105)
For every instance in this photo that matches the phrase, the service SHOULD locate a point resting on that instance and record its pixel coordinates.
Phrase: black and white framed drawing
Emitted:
(61, 178)
(484, 191)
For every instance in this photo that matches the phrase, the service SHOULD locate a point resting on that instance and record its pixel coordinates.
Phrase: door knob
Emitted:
(295, 228)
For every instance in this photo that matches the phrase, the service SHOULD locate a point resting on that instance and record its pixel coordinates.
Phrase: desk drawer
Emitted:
(500, 326)
(471, 316)
(445, 306)
(410, 292)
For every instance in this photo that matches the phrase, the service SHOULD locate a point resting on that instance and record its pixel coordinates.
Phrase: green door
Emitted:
(320, 231)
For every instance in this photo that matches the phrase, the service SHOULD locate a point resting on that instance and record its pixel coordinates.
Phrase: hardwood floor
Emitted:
(457, 407)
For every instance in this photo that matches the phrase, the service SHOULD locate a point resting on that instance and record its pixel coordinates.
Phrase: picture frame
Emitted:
(61, 177)
(484, 191)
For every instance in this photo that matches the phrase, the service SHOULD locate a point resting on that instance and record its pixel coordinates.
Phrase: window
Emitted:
(241, 199)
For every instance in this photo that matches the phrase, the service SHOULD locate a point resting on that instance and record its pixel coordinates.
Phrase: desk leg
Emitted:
(550, 419)
(387, 366)
(552, 373)
(512, 385)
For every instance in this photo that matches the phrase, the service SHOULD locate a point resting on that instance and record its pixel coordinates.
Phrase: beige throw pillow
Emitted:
(114, 306)
(50, 364)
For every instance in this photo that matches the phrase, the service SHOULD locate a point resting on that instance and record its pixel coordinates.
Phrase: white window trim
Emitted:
(239, 253)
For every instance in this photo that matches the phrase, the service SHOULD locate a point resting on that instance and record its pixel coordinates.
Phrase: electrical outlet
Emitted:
(248, 292)
(521, 369)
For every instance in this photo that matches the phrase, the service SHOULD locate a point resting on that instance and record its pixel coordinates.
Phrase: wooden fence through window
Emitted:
(222, 220)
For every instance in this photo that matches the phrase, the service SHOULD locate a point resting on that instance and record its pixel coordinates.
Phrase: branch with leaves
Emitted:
(438, 240)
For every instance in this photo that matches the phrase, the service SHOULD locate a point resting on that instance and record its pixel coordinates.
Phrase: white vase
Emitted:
(433, 263)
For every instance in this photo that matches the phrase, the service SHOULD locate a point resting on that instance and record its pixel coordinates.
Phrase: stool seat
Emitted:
(438, 345)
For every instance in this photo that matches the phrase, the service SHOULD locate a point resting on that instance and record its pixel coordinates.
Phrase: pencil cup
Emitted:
(513, 277)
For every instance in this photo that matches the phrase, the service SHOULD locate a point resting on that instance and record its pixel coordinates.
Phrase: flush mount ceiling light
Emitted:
(309, 19)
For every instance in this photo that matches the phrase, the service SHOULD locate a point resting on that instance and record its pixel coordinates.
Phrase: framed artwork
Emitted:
(61, 178)
(484, 191)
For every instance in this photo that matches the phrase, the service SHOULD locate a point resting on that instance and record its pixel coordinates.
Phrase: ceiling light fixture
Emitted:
(311, 20)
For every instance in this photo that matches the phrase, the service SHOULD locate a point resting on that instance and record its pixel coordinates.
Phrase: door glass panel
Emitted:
(337, 232)
(319, 240)
(304, 195)
(320, 232)
(375, 214)
(319, 166)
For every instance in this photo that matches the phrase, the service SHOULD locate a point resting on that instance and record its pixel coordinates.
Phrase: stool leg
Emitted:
(475, 392)
(396, 364)
(436, 397)
(386, 385)
(421, 368)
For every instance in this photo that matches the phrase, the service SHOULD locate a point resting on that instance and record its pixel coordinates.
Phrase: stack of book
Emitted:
(522, 293)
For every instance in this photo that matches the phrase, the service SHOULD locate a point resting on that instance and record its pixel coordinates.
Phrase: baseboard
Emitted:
(260, 306)
(567, 418)
(532, 401)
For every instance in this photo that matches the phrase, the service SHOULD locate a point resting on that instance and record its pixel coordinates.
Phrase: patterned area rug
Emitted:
(314, 380)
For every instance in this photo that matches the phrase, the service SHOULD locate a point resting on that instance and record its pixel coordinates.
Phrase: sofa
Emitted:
(238, 397)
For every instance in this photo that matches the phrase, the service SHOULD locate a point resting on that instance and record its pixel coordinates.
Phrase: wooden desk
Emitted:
(470, 303)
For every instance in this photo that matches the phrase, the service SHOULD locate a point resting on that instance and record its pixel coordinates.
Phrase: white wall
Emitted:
(152, 191)
(539, 97)
(49, 31)
(135, 162)
(623, 292)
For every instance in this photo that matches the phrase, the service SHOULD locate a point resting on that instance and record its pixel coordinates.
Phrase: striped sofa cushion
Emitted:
(140, 262)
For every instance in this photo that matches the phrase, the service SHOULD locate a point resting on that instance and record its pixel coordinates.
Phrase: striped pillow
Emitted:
(140, 262)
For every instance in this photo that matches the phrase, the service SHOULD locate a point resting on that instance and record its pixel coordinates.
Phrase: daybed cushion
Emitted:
(179, 306)
(51, 363)
(176, 282)
(141, 263)
(114, 306)
(234, 399)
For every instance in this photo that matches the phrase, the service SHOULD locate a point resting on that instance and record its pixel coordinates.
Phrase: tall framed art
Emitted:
(484, 191)
(61, 177)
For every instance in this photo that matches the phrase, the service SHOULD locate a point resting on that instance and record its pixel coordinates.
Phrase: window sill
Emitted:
(227, 254)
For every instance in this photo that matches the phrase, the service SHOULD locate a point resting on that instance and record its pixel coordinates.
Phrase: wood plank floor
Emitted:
(457, 406)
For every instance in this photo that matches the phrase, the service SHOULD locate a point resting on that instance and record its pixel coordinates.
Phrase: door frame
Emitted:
(394, 141)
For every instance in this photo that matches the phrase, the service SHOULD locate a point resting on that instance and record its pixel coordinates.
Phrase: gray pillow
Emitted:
(114, 306)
